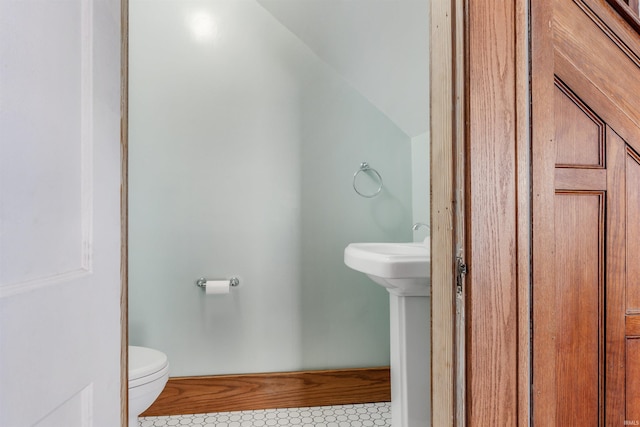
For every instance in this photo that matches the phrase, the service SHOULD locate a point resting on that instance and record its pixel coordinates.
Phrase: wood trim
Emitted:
(543, 159)
(459, 98)
(580, 179)
(629, 15)
(615, 273)
(492, 220)
(446, 103)
(632, 326)
(616, 30)
(498, 202)
(124, 221)
(195, 395)
(523, 206)
(608, 106)
(618, 108)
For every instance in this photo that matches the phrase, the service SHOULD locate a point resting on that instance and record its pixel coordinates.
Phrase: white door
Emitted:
(59, 213)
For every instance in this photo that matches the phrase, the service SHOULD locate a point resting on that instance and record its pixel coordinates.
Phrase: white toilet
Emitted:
(148, 374)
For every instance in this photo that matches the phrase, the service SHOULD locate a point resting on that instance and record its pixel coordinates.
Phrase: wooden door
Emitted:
(60, 213)
(586, 215)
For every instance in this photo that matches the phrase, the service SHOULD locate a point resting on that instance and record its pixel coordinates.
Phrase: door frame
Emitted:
(481, 211)
(124, 215)
(447, 95)
(447, 107)
(498, 213)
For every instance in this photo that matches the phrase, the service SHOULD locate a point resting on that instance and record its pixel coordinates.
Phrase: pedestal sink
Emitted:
(403, 269)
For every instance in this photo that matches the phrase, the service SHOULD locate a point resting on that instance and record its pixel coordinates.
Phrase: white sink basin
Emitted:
(402, 268)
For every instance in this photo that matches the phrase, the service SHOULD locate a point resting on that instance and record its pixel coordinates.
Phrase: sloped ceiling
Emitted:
(381, 47)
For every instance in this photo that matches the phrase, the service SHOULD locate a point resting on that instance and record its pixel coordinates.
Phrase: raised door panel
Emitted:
(632, 400)
(46, 165)
(579, 287)
(633, 232)
(632, 371)
(632, 282)
(579, 132)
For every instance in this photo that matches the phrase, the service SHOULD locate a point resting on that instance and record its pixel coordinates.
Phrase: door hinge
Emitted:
(461, 271)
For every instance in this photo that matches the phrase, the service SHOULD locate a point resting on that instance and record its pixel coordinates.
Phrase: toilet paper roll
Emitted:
(217, 287)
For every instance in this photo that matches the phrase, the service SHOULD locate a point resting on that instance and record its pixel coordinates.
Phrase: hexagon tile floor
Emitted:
(358, 415)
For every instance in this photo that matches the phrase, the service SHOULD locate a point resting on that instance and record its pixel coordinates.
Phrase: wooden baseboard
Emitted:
(195, 395)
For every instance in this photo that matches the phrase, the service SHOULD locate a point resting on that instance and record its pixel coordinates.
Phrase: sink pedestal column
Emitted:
(410, 360)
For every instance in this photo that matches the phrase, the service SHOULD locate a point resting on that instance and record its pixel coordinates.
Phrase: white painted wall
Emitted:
(381, 47)
(242, 149)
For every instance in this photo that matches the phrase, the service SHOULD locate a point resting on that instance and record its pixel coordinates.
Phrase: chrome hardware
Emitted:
(202, 282)
(364, 167)
(418, 225)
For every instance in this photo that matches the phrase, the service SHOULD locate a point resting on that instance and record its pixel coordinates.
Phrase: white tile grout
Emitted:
(357, 415)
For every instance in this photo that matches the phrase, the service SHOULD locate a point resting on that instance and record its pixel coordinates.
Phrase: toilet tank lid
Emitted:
(145, 361)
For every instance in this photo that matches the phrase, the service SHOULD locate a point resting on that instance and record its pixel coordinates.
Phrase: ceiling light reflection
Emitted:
(202, 26)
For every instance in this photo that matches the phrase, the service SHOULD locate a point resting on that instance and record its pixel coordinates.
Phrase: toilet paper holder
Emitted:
(202, 282)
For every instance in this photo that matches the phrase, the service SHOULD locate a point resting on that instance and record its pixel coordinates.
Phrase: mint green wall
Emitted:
(242, 151)
(420, 179)
(339, 131)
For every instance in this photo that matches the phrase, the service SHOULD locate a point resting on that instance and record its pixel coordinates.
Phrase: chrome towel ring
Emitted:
(364, 167)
